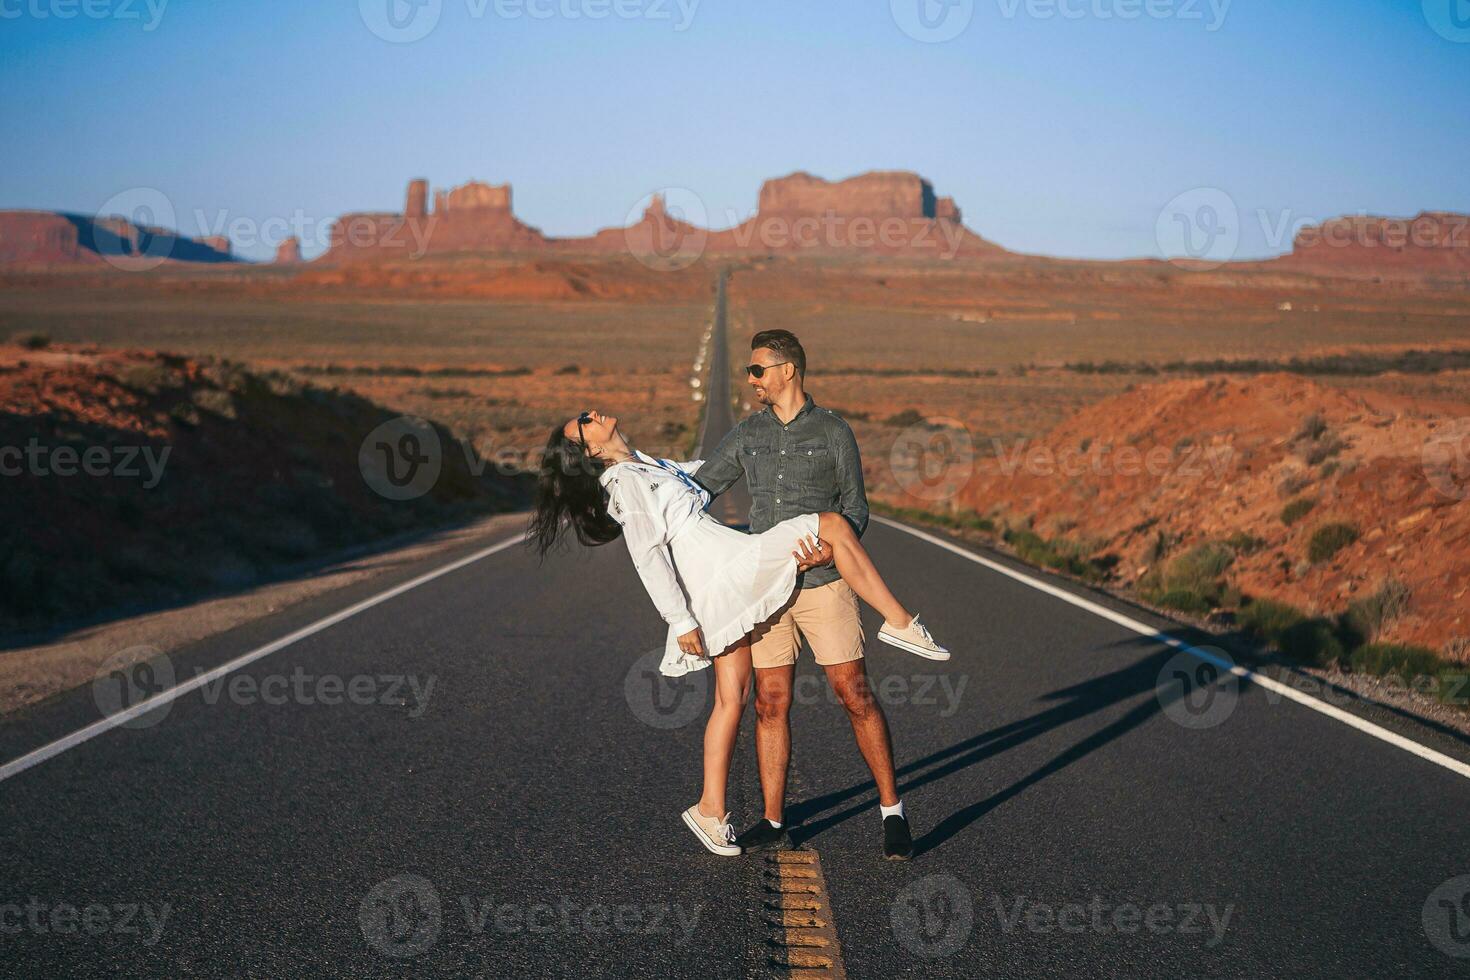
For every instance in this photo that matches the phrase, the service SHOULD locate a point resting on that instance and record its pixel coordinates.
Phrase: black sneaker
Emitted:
(898, 843)
(763, 837)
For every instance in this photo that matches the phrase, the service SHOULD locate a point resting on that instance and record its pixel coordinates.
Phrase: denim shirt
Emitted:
(805, 466)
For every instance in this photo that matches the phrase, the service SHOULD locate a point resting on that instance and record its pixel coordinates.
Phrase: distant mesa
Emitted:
(58, 238)
(884, 211)
(1429, 242)
(288, 252)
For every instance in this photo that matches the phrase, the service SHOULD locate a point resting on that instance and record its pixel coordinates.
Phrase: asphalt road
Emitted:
(327, 812)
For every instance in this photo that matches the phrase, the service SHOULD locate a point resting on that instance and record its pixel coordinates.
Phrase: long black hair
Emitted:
(568, 494)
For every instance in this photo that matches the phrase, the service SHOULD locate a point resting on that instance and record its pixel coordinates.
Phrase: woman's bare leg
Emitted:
(858, 570)
(732, 682)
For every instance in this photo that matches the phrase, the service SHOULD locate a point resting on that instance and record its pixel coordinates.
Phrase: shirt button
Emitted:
(780, 476)
(778, 500)
(783, 452)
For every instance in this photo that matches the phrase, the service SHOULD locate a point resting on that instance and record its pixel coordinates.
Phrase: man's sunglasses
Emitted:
(758, 371)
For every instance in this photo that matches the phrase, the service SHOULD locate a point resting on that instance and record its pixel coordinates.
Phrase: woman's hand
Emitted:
(693, 642)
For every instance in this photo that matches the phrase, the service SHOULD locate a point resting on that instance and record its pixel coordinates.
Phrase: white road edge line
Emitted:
(49, 751)
(1143, 629)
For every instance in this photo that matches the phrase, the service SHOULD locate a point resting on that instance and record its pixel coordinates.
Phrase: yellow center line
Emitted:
(798, 914)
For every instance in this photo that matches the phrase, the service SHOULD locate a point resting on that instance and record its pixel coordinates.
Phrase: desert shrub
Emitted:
(216, 402)
(1325, 449)
(33, 341)
(1269, 619)
(1329, 539)
(569, 369)
(1312, 427)
(1243, 543)
(1294, 483)
(185, 414)
(1061, 555)
(1312, 642)
(1458, 649)
(1330, 469)
(1399, 659)
(1184, 600)
(149, 378)
(1159, 547)
(905, 418)
(1369, 615)
(1296, 510)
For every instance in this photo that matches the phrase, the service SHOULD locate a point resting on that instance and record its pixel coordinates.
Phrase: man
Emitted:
(799, 458)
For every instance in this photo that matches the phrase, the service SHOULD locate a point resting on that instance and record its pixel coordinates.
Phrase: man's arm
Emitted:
(853, 503)
(723, 468)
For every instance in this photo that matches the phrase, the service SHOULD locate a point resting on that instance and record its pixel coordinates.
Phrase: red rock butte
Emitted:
(1431, 241)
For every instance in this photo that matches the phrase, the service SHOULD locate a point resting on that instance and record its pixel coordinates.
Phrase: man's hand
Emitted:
(812, 553)
(693, 642)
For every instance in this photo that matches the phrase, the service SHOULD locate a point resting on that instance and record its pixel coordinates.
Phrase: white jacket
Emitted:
(652, 499)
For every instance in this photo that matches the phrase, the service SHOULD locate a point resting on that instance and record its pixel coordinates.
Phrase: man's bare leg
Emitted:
(869, 725)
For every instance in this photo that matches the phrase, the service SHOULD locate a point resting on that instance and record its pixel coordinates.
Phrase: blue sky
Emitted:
(1061, 127)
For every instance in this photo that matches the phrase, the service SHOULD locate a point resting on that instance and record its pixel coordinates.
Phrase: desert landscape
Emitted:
(1275, 445)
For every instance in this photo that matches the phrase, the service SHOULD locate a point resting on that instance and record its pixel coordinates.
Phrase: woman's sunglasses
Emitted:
(582, 420)
(758, 371)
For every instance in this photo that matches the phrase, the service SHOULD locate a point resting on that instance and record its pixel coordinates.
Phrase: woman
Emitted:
(711, 583)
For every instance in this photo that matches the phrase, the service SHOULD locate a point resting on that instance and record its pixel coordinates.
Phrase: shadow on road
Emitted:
(1145, 677)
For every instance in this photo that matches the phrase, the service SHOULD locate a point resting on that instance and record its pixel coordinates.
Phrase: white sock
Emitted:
(774, 823)
(891, 811)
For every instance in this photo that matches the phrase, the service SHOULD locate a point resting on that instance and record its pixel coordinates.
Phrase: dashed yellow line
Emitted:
(803, 935)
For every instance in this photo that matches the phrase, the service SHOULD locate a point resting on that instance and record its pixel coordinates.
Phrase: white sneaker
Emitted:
(717, 836)
(914, 638)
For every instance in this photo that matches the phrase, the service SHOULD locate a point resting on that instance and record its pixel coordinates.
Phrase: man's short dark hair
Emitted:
(784, 344)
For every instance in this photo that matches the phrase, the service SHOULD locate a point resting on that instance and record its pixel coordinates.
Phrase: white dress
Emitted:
(699, 572)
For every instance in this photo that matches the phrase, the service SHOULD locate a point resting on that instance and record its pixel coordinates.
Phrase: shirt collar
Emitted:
(638, 456)
(806, 406)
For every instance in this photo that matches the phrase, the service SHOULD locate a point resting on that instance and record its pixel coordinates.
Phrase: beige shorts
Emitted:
(827, 615)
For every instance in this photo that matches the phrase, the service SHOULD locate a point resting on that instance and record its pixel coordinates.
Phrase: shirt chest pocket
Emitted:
(760, 466)
(813, 464)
